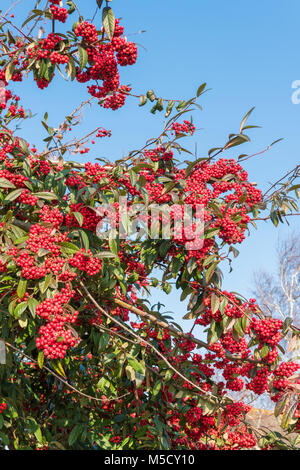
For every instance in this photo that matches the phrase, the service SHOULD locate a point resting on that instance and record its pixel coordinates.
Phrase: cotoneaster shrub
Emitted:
(88, 363)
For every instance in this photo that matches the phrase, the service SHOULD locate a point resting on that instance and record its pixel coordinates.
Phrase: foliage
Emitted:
(88, 363)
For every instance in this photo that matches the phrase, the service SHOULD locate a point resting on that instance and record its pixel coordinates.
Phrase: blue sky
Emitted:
(249, 55)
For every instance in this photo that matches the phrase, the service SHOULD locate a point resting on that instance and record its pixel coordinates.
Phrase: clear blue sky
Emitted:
(247, 52)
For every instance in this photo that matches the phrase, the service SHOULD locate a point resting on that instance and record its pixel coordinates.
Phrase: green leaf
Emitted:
(10, 38)
(24, 145)
(32, 303)
(286, 325)
(169, 109)
(57, 366)
(104, 340)
(133, 177)
(108, 21)
(136, 365)
(85, 240)
(264, 351)
(21, 288)
(4, 183)
(113, 245)
(13, 195)
(83, 57)
(181, 105)
(223, 305)
(215, 303)
(210, 271)
(43, 285)
(20, 308)
(280, 405)
(38, 435)
(156, 388)
(79, 217)
(212, 336)
(160, 104)
(72, 68)
(201, 89)
(47, 196)
(276, 141)
(245, 119)
(75, 433)
(9, 71)
(143, 100)
(238, 140)
(69, 247)
(4, 438)
(167, 288)
(151, 95)
(41, 359)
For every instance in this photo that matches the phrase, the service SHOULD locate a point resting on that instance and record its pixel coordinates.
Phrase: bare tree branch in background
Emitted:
(12, 6)
(279, 294)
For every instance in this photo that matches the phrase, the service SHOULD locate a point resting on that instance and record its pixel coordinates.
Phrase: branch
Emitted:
(173, 330)
(60, 379)
(268, 217)
(144, 342)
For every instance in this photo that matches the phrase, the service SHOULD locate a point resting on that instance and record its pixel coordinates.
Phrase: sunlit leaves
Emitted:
(83, 57)
(108, 20)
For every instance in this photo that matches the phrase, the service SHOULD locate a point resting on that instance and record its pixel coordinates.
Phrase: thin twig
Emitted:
(61, 379)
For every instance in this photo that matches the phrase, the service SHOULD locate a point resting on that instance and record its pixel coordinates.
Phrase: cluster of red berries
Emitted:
(286, 369)
(57, 58)
(159, 153)
(95, 172)
(87, 31)
(27, 198)
(234, 412)
(268, 330)
(3, 267)
(233, 309)
(3, 407)
(15, 178)
(232, 231)
(51, 215)
(42, 83)
(103, 133)
(29, 268)
(56, 337)
(115, 101)
(86, 262)
(47, 44)
(90, 217)
(242, 439)
(259, 383)
(272, 355)
(234, 347)
(44, 237)
(53, 308)
(44, 167)
(205, 183)
(60, 14)
(127, 54)
(14, 111)
(102, 64)
(186, 128)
